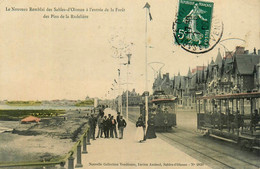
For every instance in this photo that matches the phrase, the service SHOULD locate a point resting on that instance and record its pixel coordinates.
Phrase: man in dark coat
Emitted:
(100, 126)
(118, 116)
(109, 122)
(92, 124)
(121, 126)
(101, 112)
(105, 126)
(113, 127)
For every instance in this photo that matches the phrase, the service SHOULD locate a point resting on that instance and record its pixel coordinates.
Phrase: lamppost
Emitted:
(118, 102)
(128, 63)
(114, 95)
(147, 6)
(258, 80)
(119, 91)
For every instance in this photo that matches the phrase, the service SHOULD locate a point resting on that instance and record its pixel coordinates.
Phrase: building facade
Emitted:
(134, 99)
(235, 72)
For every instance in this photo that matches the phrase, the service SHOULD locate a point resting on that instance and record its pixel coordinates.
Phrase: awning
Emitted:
(164, 100)
(30, 119)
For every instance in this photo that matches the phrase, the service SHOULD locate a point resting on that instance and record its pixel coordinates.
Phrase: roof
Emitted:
(194, 70)
(228, 55)
(228, 60)
(218, 60)
(179, 82)
(193, 81)
(212, 62)
(228, 64)
(189, 73)
(199, 68)
(205, 74)
(159, 82)
(246, 63)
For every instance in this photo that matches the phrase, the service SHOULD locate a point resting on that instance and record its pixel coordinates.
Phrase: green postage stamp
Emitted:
(192, 28)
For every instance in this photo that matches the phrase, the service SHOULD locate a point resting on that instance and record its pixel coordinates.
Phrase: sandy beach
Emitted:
(51, 138)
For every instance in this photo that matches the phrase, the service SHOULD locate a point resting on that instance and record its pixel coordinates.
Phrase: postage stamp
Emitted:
(194, 29)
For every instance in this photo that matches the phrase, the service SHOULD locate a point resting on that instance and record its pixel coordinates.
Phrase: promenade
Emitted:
(127, 153)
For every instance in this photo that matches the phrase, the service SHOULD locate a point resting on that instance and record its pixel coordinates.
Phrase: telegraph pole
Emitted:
(147, 6)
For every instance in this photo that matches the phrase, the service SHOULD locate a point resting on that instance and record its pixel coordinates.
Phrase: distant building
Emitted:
(133, 98)
(163, 83)
(179, 88)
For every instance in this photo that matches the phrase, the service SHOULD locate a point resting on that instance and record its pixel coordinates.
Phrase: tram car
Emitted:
(232, 117)
(162, 110)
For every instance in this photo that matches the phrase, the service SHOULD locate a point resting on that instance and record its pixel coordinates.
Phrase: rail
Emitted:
(76, 149)
(231, 96)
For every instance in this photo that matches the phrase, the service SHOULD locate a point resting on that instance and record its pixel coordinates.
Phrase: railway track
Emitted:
(206, 153)
(211, 152)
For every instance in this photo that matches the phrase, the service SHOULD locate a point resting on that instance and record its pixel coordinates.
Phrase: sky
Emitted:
(55, 58)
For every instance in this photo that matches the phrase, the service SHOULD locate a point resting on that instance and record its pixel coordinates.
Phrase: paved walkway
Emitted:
(127, 153)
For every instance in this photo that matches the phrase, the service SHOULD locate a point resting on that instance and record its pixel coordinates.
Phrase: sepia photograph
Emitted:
(110, 84)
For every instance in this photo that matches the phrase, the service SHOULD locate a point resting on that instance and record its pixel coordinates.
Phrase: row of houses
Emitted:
(235, 72)
(134, 98)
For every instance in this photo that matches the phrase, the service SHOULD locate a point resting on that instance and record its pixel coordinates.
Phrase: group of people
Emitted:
(107, 125)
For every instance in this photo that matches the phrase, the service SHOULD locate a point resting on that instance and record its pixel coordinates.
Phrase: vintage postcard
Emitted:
(129, 84)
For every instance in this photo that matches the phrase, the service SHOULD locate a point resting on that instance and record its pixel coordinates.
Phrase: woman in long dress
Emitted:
(139, 131)
(150, 133)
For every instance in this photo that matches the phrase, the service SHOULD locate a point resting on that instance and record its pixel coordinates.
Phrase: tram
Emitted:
(162, 110)
(231, 117)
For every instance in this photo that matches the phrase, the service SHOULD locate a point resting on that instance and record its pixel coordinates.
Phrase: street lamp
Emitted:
(119, 51)
(119, 91)
(128, 63)
(147, 6)
(118, 104)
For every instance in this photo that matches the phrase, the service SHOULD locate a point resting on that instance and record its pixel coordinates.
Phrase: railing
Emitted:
(84, 139)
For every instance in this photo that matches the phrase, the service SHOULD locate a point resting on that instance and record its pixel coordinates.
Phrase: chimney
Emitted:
(228, 54)
(164, 76)
(240, 50)
(167, 76)
(194, 70)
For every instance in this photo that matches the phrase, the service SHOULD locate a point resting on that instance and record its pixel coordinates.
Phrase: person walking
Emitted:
(101, 112)
(139, 136)
(113, 127)
(105, 126)
(109, 125)
(100, 127)
(118, 116)
(121, 126)
(92, 124)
